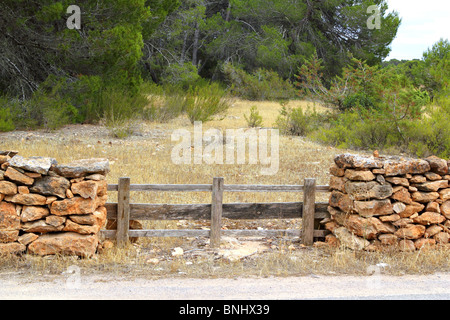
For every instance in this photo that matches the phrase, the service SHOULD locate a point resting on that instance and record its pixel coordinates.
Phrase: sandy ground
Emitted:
(72, 286)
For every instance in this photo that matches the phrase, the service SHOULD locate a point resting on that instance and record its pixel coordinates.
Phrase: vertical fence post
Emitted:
(123, 211)
(309, 204)
(216, 212)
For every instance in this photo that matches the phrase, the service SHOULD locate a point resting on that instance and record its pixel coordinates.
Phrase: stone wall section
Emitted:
(48, 208)
(378, 202)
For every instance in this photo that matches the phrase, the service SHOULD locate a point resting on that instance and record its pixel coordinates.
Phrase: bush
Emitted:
(254, 120)
(261, 85)
(298, 123)
(6, 121)
(181, 75)
(205, 101)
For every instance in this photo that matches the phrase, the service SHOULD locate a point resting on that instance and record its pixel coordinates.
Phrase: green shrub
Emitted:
(254, 120)
(205, 101)
(294, 121)
(182, 75)
(260, 85)
(6, 121)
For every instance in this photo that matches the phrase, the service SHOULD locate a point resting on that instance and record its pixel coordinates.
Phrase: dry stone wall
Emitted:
(48, 208)
(378, 202)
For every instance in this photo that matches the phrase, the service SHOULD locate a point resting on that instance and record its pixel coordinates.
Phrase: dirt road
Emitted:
(73, 286)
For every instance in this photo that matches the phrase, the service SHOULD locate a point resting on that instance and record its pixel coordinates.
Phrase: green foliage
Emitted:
(254, 120)
(294, 121)
(260, 85)
(205, 101)
(6, 119)
(180, 75)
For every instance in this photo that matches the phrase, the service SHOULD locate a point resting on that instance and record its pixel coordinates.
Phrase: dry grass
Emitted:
(147, 159)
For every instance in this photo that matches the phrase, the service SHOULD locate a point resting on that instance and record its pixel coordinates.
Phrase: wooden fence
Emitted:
(124, 211)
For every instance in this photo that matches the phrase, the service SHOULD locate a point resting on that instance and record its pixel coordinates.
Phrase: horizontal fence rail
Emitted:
(123, 211)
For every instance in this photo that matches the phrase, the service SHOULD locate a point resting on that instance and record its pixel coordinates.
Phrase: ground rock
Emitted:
(350, 240)
(68, 243)
(12, 248)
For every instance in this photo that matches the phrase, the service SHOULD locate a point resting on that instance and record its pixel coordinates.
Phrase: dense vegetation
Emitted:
(157, 59)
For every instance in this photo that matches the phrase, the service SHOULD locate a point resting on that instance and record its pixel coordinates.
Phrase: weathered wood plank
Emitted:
(208, 187)
(309, 200)
(238, 211)
(123, 211)
(216, 212)
(205, 233)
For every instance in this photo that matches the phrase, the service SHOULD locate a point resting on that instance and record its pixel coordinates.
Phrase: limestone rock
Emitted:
(411, 209)
(444, 194)
(432, 230)
(368, 190)
(424, 197)
(402, 195)
(404, 166)
(411, 232)
(442, 237)
(76, 205)
(40, 226)
(350, 240)
(27, 238)
(51, 186)
(428, 218)
(68, 243)
(406, 245)
(433, 185)
(356, 161)
(8, 188)
(32, 213)
(16, 176)
(81, 168)
(35, 164)
(423, 243)
(388, 239)
(359, 175)
(9, 220)
(445, 209)
(31, 199)
(373, 207)
(86, 189)
(8, 236)
(438, 165)
(12, 248)
(361, 226)
(341, 200)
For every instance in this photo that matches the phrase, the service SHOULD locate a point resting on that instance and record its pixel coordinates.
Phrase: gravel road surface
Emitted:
(73, 286)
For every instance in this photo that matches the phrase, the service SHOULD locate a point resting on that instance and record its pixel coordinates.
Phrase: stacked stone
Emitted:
(377, 202)
(48, 208)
